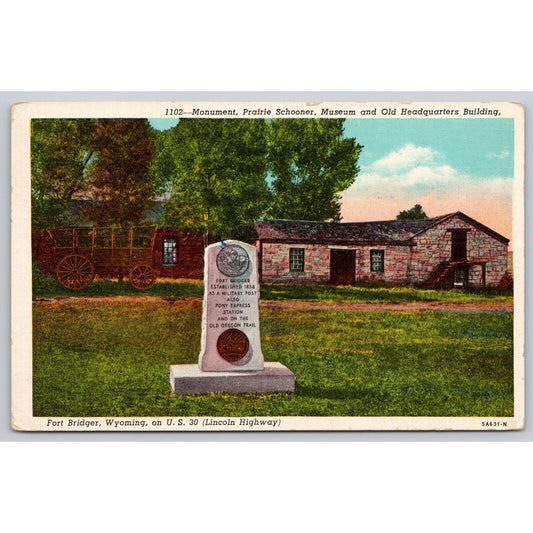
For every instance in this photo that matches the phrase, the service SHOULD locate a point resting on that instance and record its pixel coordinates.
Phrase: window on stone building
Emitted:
(170, 251)
(296, 259)
(377, 260)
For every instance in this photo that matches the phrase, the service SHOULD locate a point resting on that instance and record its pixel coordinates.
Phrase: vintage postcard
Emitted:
(267, 266)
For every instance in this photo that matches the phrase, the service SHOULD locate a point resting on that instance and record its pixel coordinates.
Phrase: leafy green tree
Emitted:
(217, 176)
(101, 163)
(120, 186)
(415, 213)
(61, 159)
(214, 175)
(311, 163)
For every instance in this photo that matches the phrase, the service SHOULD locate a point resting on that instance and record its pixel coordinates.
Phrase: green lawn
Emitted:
(111, 359)
(46, 287)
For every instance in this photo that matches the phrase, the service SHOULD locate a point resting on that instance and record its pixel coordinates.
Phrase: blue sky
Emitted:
(446, 165)
(163, 123)
(477, 147)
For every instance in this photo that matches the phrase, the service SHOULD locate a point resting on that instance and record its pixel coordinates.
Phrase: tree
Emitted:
(415, 213)
(102, 162)
(217, 176)
(61, 158)
(120, 186)
(311, 163)
(214, 173)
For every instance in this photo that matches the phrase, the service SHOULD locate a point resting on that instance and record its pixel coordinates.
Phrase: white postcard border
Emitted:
(22, 418)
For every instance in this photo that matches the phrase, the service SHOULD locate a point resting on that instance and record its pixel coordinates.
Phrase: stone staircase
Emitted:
(439, 275)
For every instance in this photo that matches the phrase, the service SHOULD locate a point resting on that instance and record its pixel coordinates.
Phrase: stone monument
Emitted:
(230, 358)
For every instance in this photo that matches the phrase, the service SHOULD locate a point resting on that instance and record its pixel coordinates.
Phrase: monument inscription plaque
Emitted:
(231, 359)
(230, 318)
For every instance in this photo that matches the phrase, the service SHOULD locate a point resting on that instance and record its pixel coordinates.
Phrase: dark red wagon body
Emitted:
(142, 253)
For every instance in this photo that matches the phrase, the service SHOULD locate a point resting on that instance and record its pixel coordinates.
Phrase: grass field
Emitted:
(111, 359)
(46, 287)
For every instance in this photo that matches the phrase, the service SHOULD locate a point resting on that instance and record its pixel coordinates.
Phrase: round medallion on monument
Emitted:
(233, 345)
(233, 260)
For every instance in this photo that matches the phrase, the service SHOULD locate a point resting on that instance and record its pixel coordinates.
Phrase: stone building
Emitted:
(448, 251)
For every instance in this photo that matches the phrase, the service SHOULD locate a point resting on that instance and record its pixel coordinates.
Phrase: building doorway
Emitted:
(460, 278)
(459, 244)
(342, 267)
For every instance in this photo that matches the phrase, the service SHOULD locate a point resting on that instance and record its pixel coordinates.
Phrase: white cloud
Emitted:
(504, 154)
(417, 170)
(415, 174)
(407, 156)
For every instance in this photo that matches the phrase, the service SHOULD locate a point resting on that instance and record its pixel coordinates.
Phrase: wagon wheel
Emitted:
(142, 277)
(74, 272)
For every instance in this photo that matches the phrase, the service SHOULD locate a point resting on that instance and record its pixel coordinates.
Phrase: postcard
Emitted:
(267, 266)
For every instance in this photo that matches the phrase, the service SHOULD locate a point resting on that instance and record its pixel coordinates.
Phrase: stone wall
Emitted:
(275, 264)
(404, 265)
(396, 264)
(434, 247)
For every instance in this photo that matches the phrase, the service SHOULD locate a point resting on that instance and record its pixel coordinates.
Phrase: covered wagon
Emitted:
(76, 255)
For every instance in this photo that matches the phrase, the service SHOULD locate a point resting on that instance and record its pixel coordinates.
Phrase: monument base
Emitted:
(189, 379)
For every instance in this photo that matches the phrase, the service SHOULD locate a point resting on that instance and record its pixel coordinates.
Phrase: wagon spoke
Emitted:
(142, 277)
(74, 272)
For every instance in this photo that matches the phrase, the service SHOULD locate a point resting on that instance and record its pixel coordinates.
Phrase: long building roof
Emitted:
(387, 232)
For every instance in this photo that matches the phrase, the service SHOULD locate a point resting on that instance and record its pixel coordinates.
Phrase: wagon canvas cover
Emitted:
(387, 240)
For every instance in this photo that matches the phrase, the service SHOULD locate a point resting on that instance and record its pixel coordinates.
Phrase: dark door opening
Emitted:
(459, 245)
(342, 267)
(460, 278)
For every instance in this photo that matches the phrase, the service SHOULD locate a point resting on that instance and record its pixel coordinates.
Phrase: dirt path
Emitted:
(389, 306)
(287, 304)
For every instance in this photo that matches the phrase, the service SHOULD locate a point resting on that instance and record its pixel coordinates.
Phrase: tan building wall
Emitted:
(434, 247)
(396, 267)
(317, 262)
(403, 265)
(275, 264)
